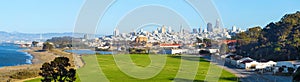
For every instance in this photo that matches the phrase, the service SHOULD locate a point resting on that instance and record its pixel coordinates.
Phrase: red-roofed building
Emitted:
(229, 41)
(170, 45)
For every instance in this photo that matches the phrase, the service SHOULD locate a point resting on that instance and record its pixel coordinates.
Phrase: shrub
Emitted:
(23, 74)
(58, 70)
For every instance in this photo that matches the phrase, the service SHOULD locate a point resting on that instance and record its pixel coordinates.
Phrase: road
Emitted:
(248, 76)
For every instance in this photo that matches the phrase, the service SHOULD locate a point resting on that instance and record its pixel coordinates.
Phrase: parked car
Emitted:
(296, 75)
(297, 69)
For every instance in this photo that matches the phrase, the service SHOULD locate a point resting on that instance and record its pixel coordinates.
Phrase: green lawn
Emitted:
(114, 74)
(34, 80)
(109, 69)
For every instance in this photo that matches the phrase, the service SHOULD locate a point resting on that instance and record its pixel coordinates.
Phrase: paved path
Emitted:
(78, 61)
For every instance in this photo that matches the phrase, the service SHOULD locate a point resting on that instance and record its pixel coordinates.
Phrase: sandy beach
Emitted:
(14, 73)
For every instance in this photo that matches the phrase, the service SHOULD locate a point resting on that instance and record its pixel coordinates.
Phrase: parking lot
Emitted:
(248, 76)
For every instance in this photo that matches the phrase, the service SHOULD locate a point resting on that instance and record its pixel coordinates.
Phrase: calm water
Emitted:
(12, 55)
(86, 51)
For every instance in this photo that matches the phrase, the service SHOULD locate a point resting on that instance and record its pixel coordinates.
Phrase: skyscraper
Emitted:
(158, 29)
(217, 23)
(233, 29)
(141, 30)
(204, 30)
(195, 31)
(209, 27)
(217, 26)
(200, 29)
(181, 29)
(170, 29)
(163, 29)
(85, 36)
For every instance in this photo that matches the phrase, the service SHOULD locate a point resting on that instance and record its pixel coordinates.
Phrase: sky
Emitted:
(45, 16)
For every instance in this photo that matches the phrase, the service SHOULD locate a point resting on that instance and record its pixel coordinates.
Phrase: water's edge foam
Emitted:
(28, 61)
(28, 57)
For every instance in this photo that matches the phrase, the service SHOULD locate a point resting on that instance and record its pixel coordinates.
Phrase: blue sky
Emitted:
(43, 16)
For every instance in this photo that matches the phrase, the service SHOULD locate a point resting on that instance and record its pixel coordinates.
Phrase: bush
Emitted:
(204, 52)
(58, 70)
(48, 46)
(138, 51)
(23, 74)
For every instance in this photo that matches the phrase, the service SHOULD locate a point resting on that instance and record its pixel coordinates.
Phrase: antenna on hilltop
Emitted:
(41, 37)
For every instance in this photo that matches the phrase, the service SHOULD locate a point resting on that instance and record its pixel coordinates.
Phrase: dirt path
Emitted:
(29, 79)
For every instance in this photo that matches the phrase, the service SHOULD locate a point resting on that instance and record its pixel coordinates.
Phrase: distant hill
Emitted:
(5, 36)
(276, 41)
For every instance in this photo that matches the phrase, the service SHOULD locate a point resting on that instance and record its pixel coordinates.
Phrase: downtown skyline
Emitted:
(42, 17)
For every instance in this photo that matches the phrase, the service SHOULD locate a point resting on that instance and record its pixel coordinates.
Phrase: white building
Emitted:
(116, 32)
(259, 65)
(175, 51)
(170, 29)
(234, 29)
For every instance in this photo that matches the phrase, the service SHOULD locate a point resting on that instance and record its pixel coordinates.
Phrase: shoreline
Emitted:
(23, 51)
(12, 73)
(38, 58)
(27, 54)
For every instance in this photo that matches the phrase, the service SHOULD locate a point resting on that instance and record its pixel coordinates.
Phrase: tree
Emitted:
(224, 48)
(204, 52)
(34, 43)
(199, 40)
(58, 71)
(48, 46)
(207, 42)
(61, 42)
(277, 41)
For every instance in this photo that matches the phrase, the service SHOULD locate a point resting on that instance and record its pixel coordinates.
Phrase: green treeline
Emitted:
(277, 41)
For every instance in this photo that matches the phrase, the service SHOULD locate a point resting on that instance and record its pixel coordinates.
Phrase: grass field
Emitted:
(34, 80)
(168, 73)
(110, 70)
